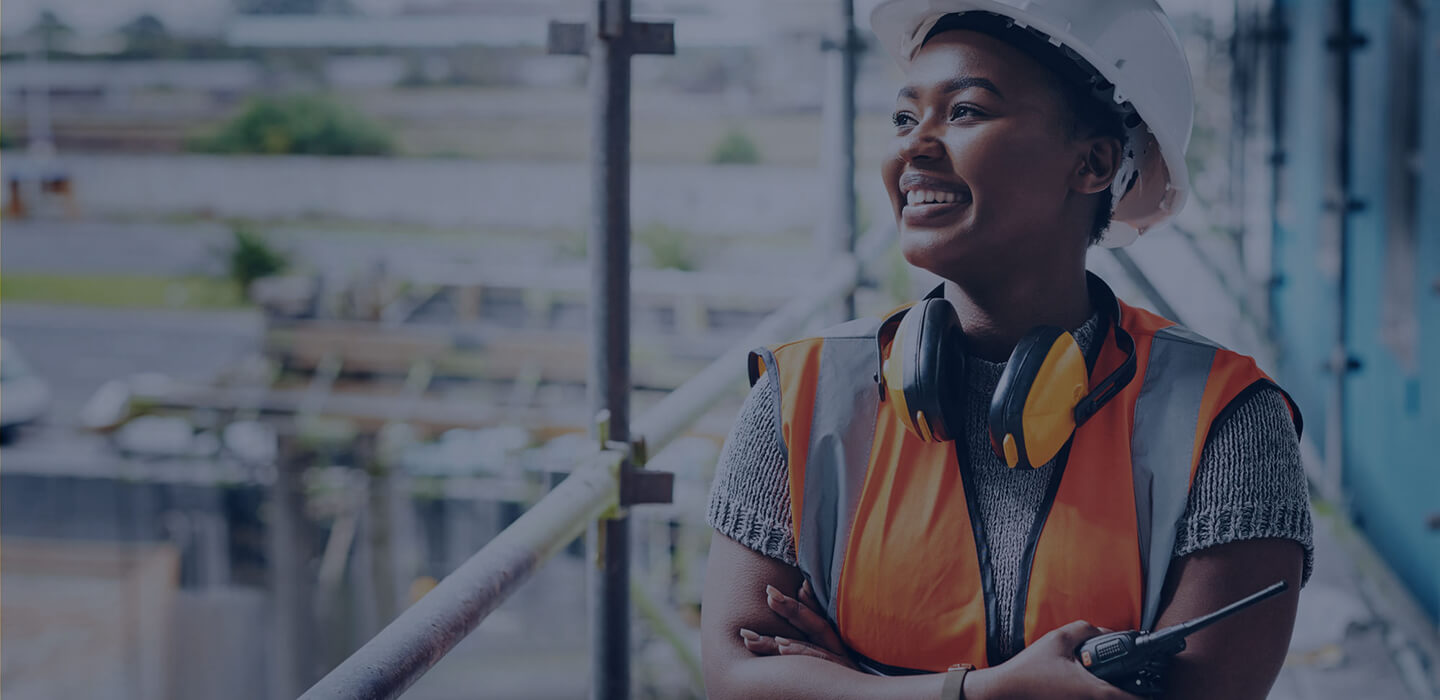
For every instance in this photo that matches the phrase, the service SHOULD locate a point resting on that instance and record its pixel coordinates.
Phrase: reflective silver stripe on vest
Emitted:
(847, 399)
(1162, 447)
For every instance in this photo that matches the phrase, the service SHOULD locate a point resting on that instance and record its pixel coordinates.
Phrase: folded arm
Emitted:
(734, 599)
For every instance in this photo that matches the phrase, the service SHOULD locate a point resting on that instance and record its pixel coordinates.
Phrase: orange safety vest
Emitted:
(894, 549)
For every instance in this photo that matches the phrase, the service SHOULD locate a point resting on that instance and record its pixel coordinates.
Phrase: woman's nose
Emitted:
(921, 143)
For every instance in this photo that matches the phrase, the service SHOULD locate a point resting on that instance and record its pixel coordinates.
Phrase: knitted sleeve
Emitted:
(1250, 483)
(750, 497)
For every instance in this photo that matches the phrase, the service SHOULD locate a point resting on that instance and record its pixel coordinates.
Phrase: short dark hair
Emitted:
(1078, 83)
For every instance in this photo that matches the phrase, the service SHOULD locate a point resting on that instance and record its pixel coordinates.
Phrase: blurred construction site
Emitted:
(299, 314)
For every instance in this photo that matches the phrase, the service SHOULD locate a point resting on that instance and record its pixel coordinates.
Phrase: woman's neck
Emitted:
(995, 317)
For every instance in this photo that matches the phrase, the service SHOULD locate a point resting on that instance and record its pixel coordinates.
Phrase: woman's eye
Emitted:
(900, 119)
(962, 111)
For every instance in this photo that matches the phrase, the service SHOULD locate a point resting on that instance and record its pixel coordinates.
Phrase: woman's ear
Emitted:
(1099, 162)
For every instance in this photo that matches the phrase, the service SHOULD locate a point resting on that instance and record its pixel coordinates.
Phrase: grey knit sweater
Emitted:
(1249, 483)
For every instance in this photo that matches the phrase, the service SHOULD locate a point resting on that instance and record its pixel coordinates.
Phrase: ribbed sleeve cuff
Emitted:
(746, 526)
(1248, 521)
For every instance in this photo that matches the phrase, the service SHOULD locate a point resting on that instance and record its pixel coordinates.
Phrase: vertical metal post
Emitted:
(609, 387)
(839, 232)
(293, 656)
(610, 40)
(1343, 44)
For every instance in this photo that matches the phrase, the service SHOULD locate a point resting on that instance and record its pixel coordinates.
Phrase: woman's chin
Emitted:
(929, 248)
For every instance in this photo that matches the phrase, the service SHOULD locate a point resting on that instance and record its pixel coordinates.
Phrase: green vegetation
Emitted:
(121, 291)
(146, 37)
(50, 32)
(735, 148)
(251, 257)
(669, 247)
(298, 124)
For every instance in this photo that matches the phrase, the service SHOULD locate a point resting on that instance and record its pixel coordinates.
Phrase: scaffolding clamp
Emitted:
(574, 38)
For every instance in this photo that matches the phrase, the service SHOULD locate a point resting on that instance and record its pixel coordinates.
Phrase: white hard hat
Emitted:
(1131, 44)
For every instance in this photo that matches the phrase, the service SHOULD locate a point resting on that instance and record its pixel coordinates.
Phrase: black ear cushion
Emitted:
(1007, 406)
(934, 372)
(950, 389)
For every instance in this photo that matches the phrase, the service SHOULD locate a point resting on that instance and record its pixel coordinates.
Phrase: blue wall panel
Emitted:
(1427, 398)
(1384, 456)
(1303, 296)
(1392, 413)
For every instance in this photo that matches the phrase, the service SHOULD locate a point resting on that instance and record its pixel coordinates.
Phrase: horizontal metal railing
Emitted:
(419, 637)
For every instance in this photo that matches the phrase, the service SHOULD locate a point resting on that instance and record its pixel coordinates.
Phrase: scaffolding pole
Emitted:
(610, 40)
(839, 230)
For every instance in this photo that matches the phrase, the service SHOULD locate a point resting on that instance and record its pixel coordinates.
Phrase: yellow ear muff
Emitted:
(1048, 413)
(1033, 411)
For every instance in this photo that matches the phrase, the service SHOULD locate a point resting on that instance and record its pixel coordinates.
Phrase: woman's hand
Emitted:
(1046, 669)
(821, 639)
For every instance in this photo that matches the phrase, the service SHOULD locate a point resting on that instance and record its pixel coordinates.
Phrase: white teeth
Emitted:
(929, 196)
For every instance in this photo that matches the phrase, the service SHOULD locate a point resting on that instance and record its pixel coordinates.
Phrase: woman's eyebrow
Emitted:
(955, 84)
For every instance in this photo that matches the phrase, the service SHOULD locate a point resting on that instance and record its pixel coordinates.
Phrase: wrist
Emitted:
(982, 684)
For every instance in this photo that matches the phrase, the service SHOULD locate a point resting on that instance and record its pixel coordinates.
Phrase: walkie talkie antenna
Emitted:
(1186, 628)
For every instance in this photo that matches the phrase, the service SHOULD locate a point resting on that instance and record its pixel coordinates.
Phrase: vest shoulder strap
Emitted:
(844, 361)
(1162, 446)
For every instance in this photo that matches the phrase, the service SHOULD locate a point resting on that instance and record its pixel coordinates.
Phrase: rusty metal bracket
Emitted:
(640, 486)
(642, 38)
(648, 487)
(655, 38)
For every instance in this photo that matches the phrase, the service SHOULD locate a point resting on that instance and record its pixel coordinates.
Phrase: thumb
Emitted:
(1073, 634)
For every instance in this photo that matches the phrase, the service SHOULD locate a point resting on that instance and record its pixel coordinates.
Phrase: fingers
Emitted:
(759, 645)
(1075, 633)
(812, 624)
(791, 647)
(807, 598)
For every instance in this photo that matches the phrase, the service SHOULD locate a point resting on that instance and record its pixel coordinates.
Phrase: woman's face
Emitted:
(980, 169)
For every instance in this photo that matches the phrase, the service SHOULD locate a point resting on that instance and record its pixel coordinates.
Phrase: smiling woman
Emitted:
(1039, 456)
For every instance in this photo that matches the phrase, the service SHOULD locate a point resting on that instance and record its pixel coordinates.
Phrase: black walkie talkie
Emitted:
(1135, 661)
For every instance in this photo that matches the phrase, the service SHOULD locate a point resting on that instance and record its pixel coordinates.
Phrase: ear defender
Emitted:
(1043, 396)
(1032, 413)
(925, 372)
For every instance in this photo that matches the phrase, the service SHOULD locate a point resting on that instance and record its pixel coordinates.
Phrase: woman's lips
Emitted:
(932, 213)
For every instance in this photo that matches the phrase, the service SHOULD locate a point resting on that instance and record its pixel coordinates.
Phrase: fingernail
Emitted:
(782, 641)
(774, 593)
(748, 635)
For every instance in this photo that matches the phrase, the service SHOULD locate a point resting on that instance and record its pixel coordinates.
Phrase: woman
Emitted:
(862, 553)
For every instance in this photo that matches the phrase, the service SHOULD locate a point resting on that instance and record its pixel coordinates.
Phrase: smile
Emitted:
(930, 208)
(914, 197)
